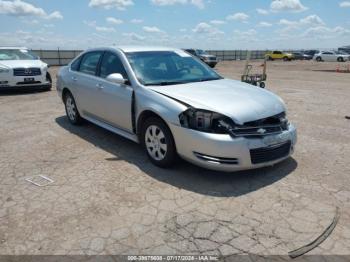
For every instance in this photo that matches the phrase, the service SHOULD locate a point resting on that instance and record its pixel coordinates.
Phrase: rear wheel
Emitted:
(340, 59)
(71, 109)
(262, 84)
(286, 58)
(158, 142)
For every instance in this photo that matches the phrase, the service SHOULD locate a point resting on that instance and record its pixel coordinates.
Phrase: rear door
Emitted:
(114, 100)
(86, 82)
(328, 56)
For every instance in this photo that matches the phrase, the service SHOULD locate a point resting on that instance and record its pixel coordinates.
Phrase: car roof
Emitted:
(128, 49)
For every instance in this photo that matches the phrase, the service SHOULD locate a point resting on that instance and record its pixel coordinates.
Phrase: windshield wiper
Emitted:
(209, 79)
(165, 83)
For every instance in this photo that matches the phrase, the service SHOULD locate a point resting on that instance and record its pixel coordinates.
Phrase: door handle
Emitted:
(74, 78)
(99, 86)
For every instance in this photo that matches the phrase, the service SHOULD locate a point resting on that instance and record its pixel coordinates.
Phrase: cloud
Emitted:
(136, 21)
(264, 24)
(152, 29)
(114, 21)
(248, 35)
(344, 4)
(262, 11)
(323, 32)
(134, 36)
(242, 17)
(313, 20)
(217, 22)
(183, 30)
(104, 29)
(109, 4)
(204, 28)
(287, 5)
(197, 3)
(54, 15)
(21, 8)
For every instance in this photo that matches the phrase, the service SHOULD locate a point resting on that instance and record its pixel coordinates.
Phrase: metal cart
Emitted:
(253, 79)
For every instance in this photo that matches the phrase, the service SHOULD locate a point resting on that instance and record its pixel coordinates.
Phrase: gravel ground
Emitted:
(108, 199)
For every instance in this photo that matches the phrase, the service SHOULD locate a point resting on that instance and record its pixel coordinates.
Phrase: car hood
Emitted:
(21, 63)
(240, 101)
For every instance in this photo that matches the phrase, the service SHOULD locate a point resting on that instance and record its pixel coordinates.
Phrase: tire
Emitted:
(318, 59)
(49, 79)
(286, 58)
(269, 58)
(262, 85)
(340, 59)
(158, 142)
(72, 110)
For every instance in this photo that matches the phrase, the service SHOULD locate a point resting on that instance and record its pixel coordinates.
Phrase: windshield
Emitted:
(169, 68)
(201, 52)
(17, 54)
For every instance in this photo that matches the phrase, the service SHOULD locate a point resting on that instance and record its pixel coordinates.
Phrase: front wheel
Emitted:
(340, 59)
(48, 79)
(72, 110)
(318, 59)
(286, 59)
(158, 142)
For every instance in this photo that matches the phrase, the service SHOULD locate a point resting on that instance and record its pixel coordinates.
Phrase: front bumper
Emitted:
(234, 154)
(11, 82)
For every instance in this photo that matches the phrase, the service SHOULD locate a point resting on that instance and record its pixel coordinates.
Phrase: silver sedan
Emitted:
(175, 105)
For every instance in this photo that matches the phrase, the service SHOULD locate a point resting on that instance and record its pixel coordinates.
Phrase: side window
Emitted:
(111, 64)
(89, 63)
(75, 65)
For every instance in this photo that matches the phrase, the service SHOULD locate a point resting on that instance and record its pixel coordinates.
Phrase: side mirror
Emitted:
(116, 78)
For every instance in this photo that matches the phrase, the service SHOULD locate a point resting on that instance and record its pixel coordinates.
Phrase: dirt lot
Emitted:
(108, 199)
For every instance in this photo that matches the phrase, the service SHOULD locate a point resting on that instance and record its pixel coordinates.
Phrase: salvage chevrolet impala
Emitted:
(173, 104)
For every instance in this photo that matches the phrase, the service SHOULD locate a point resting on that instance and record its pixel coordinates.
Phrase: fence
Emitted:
(229, 55)
(63, 57)
(57, 57)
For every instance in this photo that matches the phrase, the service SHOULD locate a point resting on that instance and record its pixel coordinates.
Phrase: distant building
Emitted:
(345, 49)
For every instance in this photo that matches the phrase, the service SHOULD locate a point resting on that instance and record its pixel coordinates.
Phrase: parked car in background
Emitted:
(311, 53)
(301, 56)
(331, 56)
(20, 68)
(210, 60)
(275, 55)
(345, 49)
(173, 104)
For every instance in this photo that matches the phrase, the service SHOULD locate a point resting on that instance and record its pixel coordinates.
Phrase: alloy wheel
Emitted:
(156, 143)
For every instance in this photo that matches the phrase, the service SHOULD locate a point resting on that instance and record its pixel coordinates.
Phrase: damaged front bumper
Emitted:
(222, 152)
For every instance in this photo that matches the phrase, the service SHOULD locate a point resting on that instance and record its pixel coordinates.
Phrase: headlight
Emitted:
(205, 121)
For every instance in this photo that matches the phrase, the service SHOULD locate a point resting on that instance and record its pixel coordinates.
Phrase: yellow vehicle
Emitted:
(279, 55)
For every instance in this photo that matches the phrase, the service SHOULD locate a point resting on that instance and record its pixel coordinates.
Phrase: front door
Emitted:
(115, 100)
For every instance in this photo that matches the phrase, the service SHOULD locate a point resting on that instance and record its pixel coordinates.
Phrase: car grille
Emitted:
(216, 160)
(26, 72)
(263, 127)
(267, 154)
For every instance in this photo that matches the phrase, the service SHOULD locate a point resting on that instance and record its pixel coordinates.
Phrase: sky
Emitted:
(206, 24)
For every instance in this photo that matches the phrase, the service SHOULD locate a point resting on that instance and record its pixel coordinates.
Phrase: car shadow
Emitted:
(184, 175)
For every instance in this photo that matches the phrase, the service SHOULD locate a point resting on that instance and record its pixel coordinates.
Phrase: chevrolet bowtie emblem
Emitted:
(261, 131)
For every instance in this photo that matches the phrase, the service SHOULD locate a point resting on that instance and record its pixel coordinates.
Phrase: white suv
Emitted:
(20, 68)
